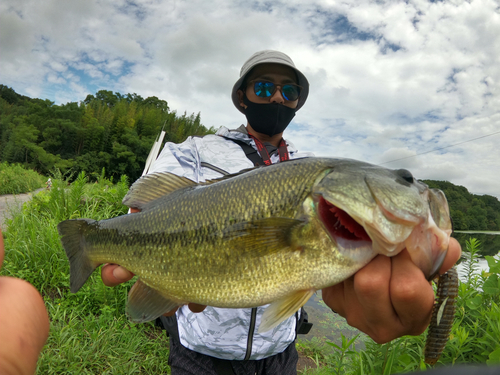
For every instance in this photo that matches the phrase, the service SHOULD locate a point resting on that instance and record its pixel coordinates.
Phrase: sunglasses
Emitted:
(265, 89)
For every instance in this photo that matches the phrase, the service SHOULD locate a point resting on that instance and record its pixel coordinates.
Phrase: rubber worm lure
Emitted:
(442, 316)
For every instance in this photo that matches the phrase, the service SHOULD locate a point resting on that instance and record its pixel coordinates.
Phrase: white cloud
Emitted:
(52, 78)
(388, 79)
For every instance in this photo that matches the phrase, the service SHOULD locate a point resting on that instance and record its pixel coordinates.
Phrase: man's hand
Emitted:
(113, 274)
(389, 297)
(24, 324)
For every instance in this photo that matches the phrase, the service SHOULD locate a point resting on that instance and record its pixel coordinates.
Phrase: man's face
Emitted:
(276, 73)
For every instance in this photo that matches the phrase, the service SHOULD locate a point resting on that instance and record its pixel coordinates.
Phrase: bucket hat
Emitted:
(270, 57)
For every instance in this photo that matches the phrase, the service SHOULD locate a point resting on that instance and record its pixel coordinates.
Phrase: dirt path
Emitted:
(12, 202)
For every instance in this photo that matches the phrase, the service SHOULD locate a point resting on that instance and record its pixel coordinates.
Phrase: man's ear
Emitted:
(241, 94)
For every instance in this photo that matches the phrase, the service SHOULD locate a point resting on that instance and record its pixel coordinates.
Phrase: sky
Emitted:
(406, 84)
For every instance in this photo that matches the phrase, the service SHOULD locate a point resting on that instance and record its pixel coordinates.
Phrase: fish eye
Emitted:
(405, 175)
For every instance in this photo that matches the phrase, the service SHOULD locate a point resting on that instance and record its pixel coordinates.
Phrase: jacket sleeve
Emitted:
(182, 159)
(196, 157)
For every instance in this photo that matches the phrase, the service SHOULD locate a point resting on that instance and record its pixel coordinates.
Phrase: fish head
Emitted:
(365, 206)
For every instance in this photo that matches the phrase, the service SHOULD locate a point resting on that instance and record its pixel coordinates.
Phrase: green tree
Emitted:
(469, 211)
(106, 130)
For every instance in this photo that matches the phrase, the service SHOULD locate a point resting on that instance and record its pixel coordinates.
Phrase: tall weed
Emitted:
(90, 333)
(15, 179)
(474, 337)
(475, 333)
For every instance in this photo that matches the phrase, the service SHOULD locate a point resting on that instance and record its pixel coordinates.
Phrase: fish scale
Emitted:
(259, 236)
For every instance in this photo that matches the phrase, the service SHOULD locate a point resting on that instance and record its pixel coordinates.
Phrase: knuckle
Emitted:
(418, 330)
(370, 286)
(405, 292)
(353, 321)
(412, 290)
(382, 336)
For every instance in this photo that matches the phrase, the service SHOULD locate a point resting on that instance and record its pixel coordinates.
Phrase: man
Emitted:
(388, 298)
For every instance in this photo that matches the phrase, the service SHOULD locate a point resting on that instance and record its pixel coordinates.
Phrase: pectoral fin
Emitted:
(264, 236)
(145, 303)
(283, 308)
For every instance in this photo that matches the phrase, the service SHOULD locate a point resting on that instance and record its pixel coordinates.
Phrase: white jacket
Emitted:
(223, 333)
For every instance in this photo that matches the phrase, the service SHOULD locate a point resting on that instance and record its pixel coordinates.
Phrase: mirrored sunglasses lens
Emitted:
(291, 92)
(264, 89)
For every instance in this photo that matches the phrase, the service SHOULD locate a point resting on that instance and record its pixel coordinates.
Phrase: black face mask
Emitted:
(268, 118)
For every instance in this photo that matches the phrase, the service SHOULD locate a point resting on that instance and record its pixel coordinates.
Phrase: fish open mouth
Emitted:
(339, 224)
(426, 243)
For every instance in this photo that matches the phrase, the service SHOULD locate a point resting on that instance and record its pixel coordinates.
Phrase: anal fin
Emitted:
(145, 303)
(283, 308)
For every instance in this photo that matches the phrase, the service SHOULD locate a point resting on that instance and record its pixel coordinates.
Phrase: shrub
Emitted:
(15, 179)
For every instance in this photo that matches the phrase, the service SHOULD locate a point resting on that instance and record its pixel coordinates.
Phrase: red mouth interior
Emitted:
(339, 223)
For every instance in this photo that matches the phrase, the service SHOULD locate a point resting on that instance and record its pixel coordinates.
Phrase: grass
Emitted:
(17, 180)
(90, 333)
(473, 339)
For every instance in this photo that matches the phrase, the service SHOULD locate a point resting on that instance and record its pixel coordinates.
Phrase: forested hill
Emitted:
(469, 211)
(108, 130)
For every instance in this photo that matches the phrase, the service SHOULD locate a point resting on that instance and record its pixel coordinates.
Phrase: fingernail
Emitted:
(121, 273)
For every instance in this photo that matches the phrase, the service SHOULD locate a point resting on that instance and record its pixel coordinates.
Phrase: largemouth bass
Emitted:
(267, 235)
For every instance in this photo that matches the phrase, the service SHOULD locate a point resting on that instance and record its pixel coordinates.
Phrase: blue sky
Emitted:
(389, 79)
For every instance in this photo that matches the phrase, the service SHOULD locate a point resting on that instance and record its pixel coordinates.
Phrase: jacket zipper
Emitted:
(251, 330)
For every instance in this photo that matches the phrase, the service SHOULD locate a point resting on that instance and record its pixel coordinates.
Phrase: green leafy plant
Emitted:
(89, 333)
(473, 339)
(15, 179)
(343, 350)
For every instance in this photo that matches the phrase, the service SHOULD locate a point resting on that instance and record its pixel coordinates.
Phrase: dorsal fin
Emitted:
(153, 186)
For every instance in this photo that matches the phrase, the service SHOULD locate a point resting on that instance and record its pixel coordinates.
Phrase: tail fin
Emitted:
(73, 241)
